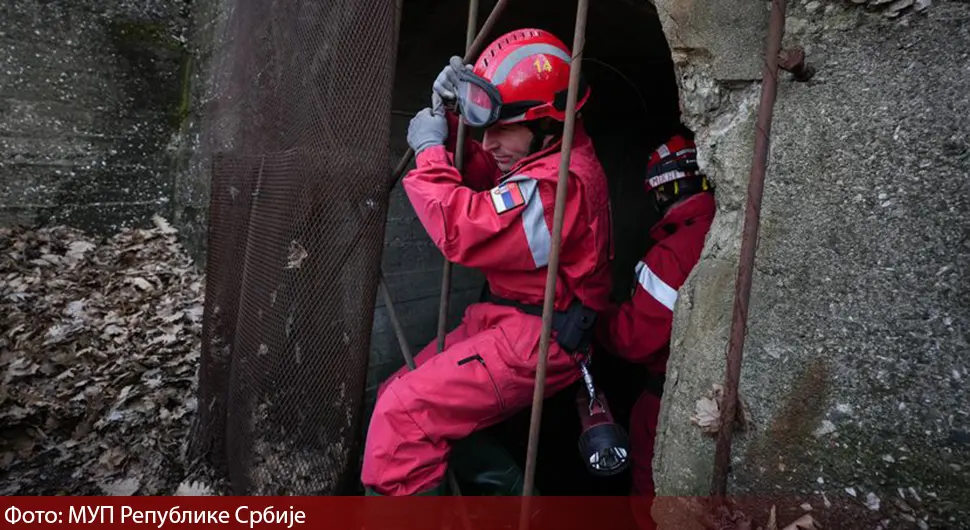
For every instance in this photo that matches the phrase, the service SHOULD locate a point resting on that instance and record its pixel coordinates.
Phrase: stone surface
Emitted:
(730, 34)
(702, 319)
(860, 308)
(192, 149)
(89, 104)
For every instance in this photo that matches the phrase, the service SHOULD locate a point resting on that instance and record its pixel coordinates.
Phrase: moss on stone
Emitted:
(156, 55)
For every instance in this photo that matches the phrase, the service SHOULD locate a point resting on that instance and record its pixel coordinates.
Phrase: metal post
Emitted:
(396, 324)
(462, 133)
(409, 359)
(472, 50)
(579, 40)
(749, 239)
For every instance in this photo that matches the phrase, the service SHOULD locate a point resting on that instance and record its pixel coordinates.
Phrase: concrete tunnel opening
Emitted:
(633, 108)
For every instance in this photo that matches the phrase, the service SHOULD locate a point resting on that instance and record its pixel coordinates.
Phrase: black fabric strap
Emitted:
(558, 317)
(573, 327)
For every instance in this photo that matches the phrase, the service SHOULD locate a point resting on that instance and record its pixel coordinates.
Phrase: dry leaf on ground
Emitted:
(193, 489)
(296, 256)
(772, 520)
(708, 409)
(99, 348)
(805, 522)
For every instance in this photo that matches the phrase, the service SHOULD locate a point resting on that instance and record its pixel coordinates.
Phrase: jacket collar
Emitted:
(692, 209)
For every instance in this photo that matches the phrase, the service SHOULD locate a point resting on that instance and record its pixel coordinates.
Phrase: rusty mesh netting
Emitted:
(297, 139)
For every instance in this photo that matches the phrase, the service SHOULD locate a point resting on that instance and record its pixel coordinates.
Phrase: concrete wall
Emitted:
(190, 153)
(91, 97)
(855, 359)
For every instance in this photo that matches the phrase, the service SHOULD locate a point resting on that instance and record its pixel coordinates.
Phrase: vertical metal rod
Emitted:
(409, 359)
(446, 269)
(396, 324)
(462, 133)
(470, 54)
(579, 41)
(749, 240)
(443, 300)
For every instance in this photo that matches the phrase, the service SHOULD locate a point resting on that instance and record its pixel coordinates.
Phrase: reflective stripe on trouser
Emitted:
(485, 374)
(643, 433)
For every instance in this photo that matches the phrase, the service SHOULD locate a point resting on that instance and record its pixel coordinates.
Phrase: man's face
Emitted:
(507, 143)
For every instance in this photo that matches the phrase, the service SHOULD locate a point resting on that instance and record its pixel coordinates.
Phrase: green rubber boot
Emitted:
(385, 516)
(437, 491)
(483, 467)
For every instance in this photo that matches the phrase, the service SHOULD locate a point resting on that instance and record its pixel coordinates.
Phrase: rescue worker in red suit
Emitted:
(638, 330)
(497, 216)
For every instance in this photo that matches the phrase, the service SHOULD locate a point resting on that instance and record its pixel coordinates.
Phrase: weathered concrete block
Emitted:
(88, 106)
(854, 366)
(731, 33)
(702, 319)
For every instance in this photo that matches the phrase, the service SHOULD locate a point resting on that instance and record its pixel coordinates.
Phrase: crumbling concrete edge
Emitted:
(722, 112)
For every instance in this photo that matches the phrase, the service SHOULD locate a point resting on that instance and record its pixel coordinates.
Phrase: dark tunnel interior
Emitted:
(634, 107)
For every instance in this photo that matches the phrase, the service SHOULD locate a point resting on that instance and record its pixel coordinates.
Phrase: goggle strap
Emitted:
(562, 97)
(519, 107)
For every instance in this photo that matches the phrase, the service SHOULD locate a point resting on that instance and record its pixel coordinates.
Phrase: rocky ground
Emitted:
(99, 347)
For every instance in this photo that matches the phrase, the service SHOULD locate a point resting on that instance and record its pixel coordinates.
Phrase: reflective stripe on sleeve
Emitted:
(652, 283)
(537, 232)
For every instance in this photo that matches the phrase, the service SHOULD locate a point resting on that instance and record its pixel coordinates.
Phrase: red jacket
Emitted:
(502, 224)
(639, 329)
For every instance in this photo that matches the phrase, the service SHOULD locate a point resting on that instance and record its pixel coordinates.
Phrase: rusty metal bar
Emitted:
(409, 359)
(579, 41)
(749, 240)
(396, 324)
(446, 273)
(445, 298)
(462, 134)
(793, 60)
(472, 50)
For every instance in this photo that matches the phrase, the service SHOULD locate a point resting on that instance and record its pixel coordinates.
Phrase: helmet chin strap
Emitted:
(540, 129)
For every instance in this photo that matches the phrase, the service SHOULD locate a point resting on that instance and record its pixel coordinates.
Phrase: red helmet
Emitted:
(673, 168)
(523, 75)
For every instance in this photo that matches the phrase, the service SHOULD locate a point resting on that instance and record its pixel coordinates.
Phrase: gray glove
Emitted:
(445, 86)
(427, 129)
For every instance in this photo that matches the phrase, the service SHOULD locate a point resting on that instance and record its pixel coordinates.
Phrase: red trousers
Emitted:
(643, 433)
(484, 375)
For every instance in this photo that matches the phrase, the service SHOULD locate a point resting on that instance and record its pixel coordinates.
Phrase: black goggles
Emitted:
(480, 104)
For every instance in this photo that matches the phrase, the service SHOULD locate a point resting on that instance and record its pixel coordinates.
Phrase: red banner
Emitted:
(332, 513)
(808, 512)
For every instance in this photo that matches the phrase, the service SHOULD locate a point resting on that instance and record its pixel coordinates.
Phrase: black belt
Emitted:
(573, 326)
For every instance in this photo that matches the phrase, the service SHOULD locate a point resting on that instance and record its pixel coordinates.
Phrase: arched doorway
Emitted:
(634, 107)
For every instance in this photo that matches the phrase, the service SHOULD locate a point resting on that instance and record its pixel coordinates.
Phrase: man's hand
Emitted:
(427, 129)
(446, 84)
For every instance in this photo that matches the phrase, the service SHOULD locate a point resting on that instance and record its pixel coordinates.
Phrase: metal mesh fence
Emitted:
(298, 138)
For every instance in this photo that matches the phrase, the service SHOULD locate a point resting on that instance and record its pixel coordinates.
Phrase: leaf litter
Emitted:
(99, 351)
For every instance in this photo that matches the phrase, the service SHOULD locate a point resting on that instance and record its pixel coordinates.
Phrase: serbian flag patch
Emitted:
(507, 196)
